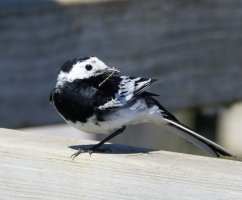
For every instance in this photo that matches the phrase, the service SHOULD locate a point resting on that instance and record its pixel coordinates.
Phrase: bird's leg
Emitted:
(96, 148)
(115, 133)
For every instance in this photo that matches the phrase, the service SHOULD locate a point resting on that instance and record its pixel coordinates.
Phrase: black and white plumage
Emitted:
(119, 101)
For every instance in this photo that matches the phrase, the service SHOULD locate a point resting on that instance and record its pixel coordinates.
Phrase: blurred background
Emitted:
(193, 47)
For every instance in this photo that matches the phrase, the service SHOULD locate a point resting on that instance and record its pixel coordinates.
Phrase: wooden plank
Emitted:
(193, 48)
(39, 167)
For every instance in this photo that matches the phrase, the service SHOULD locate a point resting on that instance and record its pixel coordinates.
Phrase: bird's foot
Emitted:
(94, 149)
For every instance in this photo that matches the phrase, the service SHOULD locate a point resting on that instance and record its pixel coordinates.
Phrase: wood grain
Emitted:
(39, 167)
(193, 48)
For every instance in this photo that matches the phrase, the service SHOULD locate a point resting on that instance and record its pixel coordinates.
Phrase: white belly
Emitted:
(115, 121)
(138, 113)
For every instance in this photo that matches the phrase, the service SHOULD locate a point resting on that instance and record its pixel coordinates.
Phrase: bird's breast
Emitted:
(111, 122)
(72, 106)
(92, 125)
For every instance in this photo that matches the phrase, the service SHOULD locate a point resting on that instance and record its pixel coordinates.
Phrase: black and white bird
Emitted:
(93, 98)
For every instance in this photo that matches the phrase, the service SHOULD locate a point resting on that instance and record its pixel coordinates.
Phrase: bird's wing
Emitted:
(128, 88)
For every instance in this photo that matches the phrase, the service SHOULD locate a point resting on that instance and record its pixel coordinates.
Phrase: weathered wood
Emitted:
(143, 135)
(194, 48)
(39, 167)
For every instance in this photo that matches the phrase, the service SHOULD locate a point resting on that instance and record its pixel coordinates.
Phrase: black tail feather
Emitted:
(200, 141)
(181, 130)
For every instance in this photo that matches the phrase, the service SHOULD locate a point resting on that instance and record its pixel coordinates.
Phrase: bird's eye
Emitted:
(88, 67)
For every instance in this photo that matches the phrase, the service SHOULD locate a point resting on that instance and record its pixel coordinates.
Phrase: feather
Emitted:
(200, 141)
(128, 89)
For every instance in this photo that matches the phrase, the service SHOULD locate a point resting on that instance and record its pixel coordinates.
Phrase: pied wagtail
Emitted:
(93, 98)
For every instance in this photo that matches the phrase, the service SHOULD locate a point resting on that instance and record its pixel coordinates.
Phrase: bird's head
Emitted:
(83, 68)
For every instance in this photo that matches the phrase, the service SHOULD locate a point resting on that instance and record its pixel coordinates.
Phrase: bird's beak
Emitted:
(112, 70)
(108, 70)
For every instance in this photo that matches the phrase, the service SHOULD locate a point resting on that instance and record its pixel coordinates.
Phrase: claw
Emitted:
(74, 155)
(90, 151)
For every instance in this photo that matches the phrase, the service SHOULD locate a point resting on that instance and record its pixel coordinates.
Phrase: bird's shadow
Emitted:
(115, 149)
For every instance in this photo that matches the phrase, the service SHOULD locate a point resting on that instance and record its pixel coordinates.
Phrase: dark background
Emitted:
(193, 47)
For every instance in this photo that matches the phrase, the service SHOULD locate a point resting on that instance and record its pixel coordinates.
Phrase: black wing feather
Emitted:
(126, 90)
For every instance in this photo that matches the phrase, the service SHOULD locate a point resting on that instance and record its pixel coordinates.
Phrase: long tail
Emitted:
(203, 143)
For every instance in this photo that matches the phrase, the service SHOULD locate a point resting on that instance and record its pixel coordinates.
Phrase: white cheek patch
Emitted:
(70, 76)
(79, 71)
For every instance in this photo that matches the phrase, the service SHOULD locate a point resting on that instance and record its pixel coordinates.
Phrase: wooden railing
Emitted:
(39, 167)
